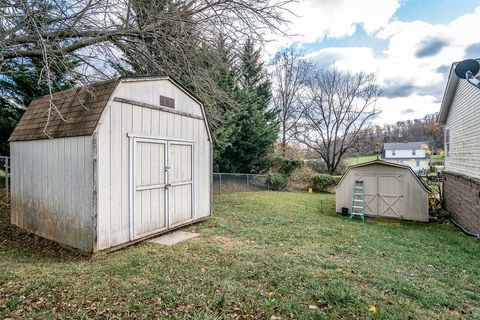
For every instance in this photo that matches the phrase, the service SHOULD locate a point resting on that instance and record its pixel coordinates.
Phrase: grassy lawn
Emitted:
(263, 255)
(358, 160)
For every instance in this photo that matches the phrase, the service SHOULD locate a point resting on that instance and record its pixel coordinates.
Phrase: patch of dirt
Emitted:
(440, 216)
(14, 238)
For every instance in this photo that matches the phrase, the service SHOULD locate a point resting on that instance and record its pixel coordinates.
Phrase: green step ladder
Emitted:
(358, 200)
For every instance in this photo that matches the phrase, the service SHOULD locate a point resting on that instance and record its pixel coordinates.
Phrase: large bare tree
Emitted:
(91, 31)
(340, 106)
(289, 79)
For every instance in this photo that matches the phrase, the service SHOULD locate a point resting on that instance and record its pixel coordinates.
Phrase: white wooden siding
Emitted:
(120, 119)
(413, 205)
(149, 91)
(419, 153)
(463, 122)
(52, 189)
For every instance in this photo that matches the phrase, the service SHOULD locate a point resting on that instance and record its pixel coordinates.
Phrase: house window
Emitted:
(393, 152)
(414, 152)
(447, 142)
(167, 102)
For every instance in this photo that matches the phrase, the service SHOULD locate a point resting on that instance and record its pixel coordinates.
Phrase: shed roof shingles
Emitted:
(80, 107)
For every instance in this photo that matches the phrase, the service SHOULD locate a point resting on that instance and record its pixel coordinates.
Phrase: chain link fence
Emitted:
(5, 177)
(238, 182)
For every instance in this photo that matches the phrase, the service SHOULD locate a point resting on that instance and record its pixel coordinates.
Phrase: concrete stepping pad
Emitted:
(173, 238)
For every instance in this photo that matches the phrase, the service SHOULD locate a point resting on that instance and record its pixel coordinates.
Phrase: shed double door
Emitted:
(383, 195)
(162, 186)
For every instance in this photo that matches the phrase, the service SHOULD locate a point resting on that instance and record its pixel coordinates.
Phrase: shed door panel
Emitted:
(150, 188)
(390, 196)
(181, 162)
(370, 193)
(181, 182)
(161, 182)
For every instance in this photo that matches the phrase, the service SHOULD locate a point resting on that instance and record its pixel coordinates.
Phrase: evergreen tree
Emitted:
(224, 72)
(21, 82)
(256, 128)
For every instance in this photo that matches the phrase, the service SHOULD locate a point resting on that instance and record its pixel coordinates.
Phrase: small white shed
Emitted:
(391, 190)
(132, 159)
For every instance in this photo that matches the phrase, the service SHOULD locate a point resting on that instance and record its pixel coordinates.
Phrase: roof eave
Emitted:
(448, 95)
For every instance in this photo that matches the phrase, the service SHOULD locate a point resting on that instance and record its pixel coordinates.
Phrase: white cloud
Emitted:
(415, 81)
(316, 19)
(399, 109)
(339, 18)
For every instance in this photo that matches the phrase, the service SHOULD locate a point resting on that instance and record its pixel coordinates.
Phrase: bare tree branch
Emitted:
(289, 80)
(56, 30)
(340, 106)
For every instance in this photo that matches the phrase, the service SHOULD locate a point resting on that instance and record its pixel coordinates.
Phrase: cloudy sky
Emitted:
(408, 44)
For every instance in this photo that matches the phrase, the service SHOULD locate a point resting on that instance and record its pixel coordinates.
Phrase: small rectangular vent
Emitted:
(167, 102)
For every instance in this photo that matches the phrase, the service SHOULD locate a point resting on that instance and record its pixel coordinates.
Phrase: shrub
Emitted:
(277, 181)
(301, 179)
(325, 182)
(285, 165)
(318, 166)
(342, 167)
(321, 167)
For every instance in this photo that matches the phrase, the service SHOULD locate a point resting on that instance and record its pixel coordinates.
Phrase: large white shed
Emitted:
(391, 190)
(132, 159)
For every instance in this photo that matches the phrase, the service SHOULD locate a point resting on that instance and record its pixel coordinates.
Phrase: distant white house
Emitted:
(460, 116)
(409, 153)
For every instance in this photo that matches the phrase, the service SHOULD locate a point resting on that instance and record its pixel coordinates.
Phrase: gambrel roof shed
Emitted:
(391, 190)
(113, 163)
(76, 112)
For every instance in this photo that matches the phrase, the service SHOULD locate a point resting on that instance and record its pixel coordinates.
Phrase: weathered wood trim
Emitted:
(154, 107)
(131, 186)
(158, 139)
(95, 191)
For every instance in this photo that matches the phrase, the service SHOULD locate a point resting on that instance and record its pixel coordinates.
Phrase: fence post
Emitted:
(220, 175)
(248, 183)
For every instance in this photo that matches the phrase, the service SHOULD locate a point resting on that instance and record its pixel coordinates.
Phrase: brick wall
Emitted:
(462, 200)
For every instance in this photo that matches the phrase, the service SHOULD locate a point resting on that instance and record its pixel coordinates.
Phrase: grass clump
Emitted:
(337, 293)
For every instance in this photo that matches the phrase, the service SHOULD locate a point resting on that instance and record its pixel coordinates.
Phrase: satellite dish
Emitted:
(467, 69)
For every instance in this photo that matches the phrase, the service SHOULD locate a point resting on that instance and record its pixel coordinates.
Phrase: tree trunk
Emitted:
(284, 141)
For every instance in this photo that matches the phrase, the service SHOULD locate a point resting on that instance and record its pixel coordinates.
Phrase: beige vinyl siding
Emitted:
(52, 189)
(413, 205)
(464, 123)
(119, 120)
